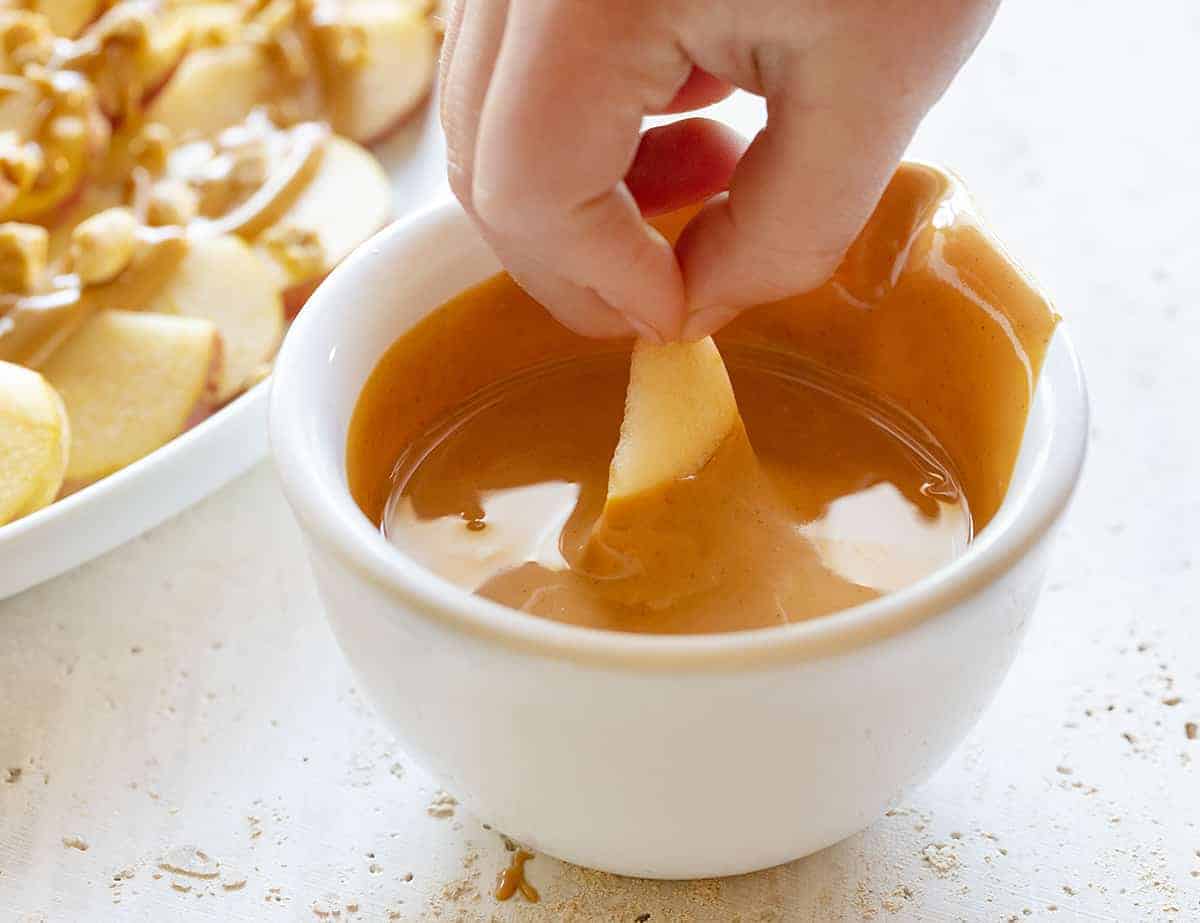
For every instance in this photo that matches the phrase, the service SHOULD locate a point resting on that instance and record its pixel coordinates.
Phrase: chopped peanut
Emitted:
(23, 249)
(20, 162)
(103, 245)
(270, 19)
(251, 165)
(26, 38)
(341, 44)
(298, 250)
(171, 201)
(151, 147)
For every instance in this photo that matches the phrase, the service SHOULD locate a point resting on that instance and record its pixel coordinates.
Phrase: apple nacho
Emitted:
(176, 177)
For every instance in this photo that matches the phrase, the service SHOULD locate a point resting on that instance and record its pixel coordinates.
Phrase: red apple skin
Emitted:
(295, 296)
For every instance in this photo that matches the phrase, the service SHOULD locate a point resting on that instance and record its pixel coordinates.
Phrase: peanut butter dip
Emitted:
(880, 417)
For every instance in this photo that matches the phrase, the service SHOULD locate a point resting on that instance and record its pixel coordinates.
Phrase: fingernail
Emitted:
(644, 330)
(705, 322)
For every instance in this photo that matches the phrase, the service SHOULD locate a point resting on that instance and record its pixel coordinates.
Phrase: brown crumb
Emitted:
(235, 885)
(1064, 770)
(442, 805)
(1191, 730)
(1172, 700)
(641, 918)
(1067, 889)
(895, 901)
(75, 842)
(13, 774)
(941, 858)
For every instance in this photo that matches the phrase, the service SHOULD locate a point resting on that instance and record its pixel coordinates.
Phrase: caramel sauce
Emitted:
(882, 413)
(507, 498)
(513, 879)
(32, 326)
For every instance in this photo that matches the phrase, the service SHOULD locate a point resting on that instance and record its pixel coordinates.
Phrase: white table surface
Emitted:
(183, 691)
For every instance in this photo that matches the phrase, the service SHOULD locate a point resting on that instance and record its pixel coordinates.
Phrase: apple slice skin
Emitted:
(223, 280)
(678, 410)
(130, 381)
(295, 296)
(35, 440)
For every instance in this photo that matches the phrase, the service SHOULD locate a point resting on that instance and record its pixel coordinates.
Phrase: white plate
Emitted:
(125, 504)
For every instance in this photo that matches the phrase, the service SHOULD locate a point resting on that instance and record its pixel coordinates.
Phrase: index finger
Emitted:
(559, 130)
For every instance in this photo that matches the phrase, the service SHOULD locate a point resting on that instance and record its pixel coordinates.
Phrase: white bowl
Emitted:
(657, 756)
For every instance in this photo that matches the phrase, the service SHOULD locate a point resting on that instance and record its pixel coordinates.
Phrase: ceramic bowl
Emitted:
(656, 756)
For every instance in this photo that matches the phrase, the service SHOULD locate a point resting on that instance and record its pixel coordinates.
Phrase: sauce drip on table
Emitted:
(513, 879)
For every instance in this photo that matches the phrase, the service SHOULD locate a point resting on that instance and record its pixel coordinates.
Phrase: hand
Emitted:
(542, 104)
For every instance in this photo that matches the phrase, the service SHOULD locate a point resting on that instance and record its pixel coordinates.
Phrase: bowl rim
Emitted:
(331, 518)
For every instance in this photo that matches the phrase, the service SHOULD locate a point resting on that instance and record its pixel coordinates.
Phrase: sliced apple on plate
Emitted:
(679, 408)
(212, 89)
(34, 442)
(377, 59)
(347, 200)
(223, 280)
(131, 382)
(37, 324)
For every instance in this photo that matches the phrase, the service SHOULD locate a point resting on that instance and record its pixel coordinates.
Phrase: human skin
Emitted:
(542, 105)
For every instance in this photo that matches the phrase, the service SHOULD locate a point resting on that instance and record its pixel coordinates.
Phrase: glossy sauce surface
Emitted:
(506, 498)
(883, 413)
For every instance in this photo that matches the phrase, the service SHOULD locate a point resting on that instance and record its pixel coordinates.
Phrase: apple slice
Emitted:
(226, 282)
(678, 410)
(348, 200)
(36, 325)
(35, 439)
(377, 59)
(130, 382)
(212, 89)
